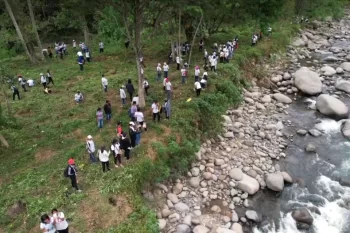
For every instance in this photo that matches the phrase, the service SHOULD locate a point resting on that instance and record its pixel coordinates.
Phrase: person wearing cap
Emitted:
(72, 173)
(126, 146)
(43, 80)
(115, 148)
(168, 88)
(99, 118)
(104, 82)
(130, 88)
(103, 155)
(90, 147)
(159, 72)
(78, 97)
(122, 95)
(165, 69)
(197, 72)
(81, 61)
(156, 111)
(132, 134)
(22, 82)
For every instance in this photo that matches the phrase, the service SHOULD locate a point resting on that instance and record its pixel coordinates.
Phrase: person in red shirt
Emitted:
(119, 129)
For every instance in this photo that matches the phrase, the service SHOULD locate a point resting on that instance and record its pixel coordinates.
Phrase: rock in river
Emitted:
(331, 106)
(308, 81)
(275, 182)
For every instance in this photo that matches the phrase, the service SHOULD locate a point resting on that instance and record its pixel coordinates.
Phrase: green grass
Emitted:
(51, 129)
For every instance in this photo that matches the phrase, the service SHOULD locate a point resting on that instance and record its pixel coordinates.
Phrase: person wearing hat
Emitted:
(103, 155)
(43, 80)
(72, 173)
(122, 95)
(22, 82)
(159, 72)
(90, 147)
(165, 69)
(197, 72)
(126, 146)
(132, 134)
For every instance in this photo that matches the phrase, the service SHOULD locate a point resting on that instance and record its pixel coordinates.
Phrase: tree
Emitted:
(19, 33)
(35, 29)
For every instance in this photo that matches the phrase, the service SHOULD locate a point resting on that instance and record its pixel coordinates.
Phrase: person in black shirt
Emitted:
(126, 146)
(108, 110)
(130, 88)
(15, 92)
(132, 133)
(72, 173)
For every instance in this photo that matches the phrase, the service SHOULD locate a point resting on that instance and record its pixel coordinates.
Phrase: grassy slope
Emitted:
(53, 129)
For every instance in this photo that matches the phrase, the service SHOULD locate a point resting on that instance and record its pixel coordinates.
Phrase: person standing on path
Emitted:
(178, 61)
(108, 110)
(156, 111)
(126, 146)
(49, 77)
(119, 129)
(74, 45)
(132, 134)
(159, 72)
(198, 87)
(101, 46)
(197, 72)
(90, 147)
(166, 108)
(81, 62)
(138, 115)
(122, 95)
(43, 80)
(103, 156)
(104, 82)
(72, 173)
(22, 82)
(146, 86)
(168, 88)
(130, 88)
(59, 221)
(201, 45)
(115, 148)
(99, 118)
(165, 69)
(15, 92)
(183, 75)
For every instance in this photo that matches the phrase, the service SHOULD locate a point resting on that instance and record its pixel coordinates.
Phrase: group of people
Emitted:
(56, 222)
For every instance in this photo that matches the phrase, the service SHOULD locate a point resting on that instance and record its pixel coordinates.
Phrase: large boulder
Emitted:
(248, 184)
(307, 81)
(328, 71)
(275, 181)
(345, 129)
(303, 215)
(343, 85)
(345, 66)
(282, 98)
(332, 107)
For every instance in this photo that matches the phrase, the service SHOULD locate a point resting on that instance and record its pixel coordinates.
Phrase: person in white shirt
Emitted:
(136, 100)
(90, 147)
(78, 97)
(159, 72)
(183, 75)
(101, 46)
(138, 115)
(203, 83)
(146, 85)
(104, 82)
(142, 62)
(155, 110)
(59, 221)
(269, 31)
(47, 224)
(197, 72)
(168, 88)
(43, 80)
(30, 82)
(165, 69)
(198, 87)
(87, 55)
(115, 148)
(178, 61)
(213, 62)
(103, 155)
(122, 95)
(205, 56)
(74, 45)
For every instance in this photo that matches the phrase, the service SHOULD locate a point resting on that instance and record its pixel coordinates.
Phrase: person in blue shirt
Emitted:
(81, 62)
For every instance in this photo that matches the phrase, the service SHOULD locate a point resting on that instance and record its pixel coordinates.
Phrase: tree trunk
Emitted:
(85, 31)
(35, 29)
(19, 33)
(194, 38)
(3, 141)
(179, 40)
(172, 49)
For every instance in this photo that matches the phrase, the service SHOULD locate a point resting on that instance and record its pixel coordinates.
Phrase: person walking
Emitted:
(165, 70)
(88, 55)
(168, 88)
(122, 95)
(183, 75)
(198, 87)
(201, 44)
(132, 134)
(59, 221)
(15, 92)
(166, 108)
(90, 147)
(156, 111)
(178, 61)
(138, 134)
(119, 129)
(72, 173)
(74, 45)
(126, 146)
(115, 148)
(81, 62)
(104, 82)
(108, 110)
(43, 80)
(197, 72)
(146, 86)
(103, 156)
(138, 115)
(101, 46)
(99, 118)
(47, 224)
(133, 109)
(22, 82)
(49, 77)
(130, 88)
(159, 72)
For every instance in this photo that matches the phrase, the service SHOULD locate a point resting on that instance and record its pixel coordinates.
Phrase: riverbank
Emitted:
(216, 195)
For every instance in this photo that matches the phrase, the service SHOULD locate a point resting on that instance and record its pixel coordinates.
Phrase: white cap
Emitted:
(89, 137)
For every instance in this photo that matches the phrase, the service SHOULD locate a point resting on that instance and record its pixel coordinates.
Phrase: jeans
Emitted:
(127, 154)
(24, 87)
(183, 78)
(117, 158)
(105, 88)
(159, 77)
(156, 115)
(105, 165)
(138, 138)
(165, 74)
(198, 91)
(178, 66)
(100, 123)
(92, 157)
(108, 116)
(73, 179)
(130, 95)
(168, 94)
(16, 92)
(123, 101)
(81, 67)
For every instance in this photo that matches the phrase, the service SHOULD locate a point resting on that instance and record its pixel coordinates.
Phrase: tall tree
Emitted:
(19, 33)
(35, 28)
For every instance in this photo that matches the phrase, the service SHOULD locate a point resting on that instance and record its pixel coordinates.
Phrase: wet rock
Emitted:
(248, 184)
(307, 81)
(253, 215)
(275, 182)
(303, 215)
(282, 98)
(286, 177)
(302, 132)
(331, 106)
(310, 147)
(236, 174)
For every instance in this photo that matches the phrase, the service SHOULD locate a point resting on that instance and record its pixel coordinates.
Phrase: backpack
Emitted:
(65, 172)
